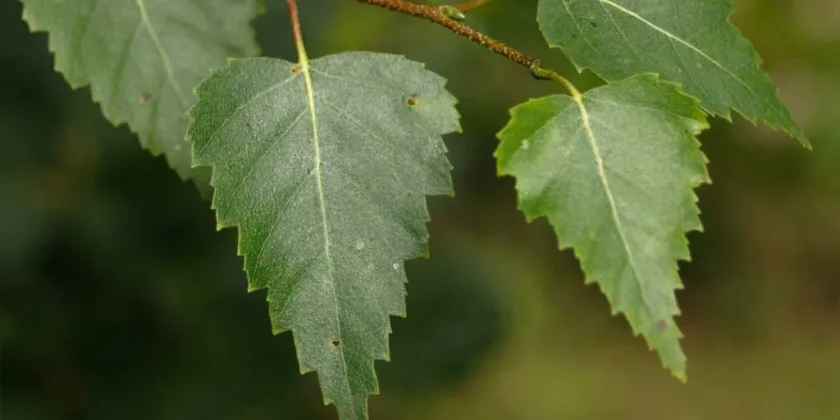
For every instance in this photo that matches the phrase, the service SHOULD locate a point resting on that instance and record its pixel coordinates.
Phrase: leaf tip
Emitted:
(680, 375)
(803, 140)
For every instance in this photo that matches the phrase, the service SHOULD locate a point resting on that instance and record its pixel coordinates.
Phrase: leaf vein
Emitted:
(238, 111)
(679, 40)
(86, 28)
(268, 150)
(120, 70)
(376, 136)
(164, 57)
(287, 201)
(310, 99)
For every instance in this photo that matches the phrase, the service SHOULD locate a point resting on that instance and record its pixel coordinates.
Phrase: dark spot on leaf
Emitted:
(145, 97)
(335, 342)
(411, 101)
(661, 325)
(294, 69)
(593, 24)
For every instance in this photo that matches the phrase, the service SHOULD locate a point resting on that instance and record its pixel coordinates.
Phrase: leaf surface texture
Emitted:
(690, 42)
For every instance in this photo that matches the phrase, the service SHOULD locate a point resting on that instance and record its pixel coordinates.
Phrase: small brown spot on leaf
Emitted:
(294, 69)
(411, 101)
(145, 97)
(661, 325)
(335, 342)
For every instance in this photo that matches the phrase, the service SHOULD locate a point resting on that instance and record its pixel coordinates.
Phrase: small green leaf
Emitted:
(690, 42)
(614, 172)
(324, 166)
(142, 58)
(453, 13)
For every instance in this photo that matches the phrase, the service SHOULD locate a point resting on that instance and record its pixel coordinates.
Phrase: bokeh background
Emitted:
(119, 300)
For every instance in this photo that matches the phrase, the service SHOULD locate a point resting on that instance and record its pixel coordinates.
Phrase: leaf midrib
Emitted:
(603, 179)
(316, 145)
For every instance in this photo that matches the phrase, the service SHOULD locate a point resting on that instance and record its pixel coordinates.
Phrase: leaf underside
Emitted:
(614, 173)
(142, 58)
(690, 42)
(327, 186)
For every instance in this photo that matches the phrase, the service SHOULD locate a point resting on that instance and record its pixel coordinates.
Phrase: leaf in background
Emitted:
(691, 42)
(327, 183)
(143, 57)
(614, 172)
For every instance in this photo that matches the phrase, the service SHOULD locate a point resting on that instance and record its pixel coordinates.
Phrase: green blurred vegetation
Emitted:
(118, 300)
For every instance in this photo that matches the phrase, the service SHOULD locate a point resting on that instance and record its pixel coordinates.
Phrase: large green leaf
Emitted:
(142, 58)
(324, 167)
(614, 172)
(687, 41)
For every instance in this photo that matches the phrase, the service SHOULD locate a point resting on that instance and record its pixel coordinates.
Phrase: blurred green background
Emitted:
(118, 300)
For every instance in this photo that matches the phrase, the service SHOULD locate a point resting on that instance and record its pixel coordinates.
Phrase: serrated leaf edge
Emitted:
(115, 120)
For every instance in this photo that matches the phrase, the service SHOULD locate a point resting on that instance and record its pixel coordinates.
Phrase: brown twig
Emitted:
(436, 15)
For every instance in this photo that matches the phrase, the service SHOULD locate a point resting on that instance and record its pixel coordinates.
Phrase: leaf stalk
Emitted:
(293, 18)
